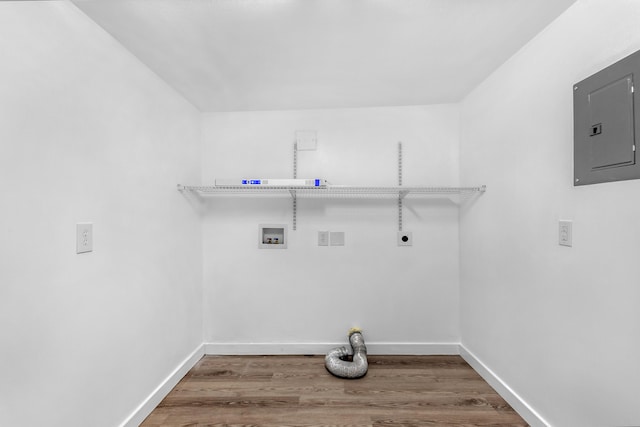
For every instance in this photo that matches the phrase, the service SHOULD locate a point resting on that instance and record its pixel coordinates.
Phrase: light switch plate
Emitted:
(565, 233)
(84, 238)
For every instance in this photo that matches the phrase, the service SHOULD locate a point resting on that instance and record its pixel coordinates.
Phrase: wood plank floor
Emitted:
(298, 391)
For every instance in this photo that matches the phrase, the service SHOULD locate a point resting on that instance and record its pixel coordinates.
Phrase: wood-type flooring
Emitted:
(298, 391)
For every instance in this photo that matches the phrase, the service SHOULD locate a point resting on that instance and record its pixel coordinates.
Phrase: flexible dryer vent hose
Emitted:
(336, 360)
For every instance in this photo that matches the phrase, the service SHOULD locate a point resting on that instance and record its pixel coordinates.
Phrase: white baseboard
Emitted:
(374, 348)
(517, 403)
(154, 399)
(417, 349)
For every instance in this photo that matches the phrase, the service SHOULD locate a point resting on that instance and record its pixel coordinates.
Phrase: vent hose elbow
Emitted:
(336, 360)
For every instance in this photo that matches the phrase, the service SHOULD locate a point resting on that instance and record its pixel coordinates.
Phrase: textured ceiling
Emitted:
(234, 55)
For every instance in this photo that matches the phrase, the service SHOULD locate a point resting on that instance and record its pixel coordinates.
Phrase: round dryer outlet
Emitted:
(405, 238)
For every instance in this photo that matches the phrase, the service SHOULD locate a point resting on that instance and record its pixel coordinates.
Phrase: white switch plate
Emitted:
(336, 238)
(323, 238)
(565, 233)
(405, 238)
(84, 238)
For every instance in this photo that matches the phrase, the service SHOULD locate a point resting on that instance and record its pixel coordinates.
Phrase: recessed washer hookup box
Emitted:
(269, 182)
(272, 236)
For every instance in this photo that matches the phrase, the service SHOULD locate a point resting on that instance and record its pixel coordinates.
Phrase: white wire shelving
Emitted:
(333, 191)
(398, 192)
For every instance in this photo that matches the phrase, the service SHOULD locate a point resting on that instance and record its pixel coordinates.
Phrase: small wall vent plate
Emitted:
(306, 140)
(606, 123)
(272, 236)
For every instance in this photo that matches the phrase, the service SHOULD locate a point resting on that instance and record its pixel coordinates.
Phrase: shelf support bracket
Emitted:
(295, 160)
(402, 194)
(295, 210)
(294, 206)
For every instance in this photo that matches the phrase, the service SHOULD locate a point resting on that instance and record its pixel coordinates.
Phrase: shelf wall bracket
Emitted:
(401, 194)
(294, 199)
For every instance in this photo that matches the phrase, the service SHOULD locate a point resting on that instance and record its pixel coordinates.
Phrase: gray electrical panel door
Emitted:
(611, 108)
(605, 124)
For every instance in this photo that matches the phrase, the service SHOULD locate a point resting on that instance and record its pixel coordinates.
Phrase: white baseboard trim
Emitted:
(517, 403)
(379, 348)
(154, 399)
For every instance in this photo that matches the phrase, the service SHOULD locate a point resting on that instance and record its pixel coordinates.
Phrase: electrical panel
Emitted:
(606, 123)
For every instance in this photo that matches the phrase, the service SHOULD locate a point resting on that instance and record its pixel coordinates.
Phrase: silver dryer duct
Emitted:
(336, 361)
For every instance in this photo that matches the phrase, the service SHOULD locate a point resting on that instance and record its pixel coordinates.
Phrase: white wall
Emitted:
(89, 134)
(559, 325)
(301, 298)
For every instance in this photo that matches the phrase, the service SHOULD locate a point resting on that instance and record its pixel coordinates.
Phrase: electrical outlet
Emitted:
(323, 238)
(565, 233)
(84, 238)
(405, 238)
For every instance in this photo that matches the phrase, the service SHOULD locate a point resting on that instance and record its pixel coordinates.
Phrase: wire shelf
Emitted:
(331, 191)
(399, 193)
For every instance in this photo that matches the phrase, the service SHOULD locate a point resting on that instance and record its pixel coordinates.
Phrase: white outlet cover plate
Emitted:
(565, 233)
(84, 238)
(323, 238)
(405, 238)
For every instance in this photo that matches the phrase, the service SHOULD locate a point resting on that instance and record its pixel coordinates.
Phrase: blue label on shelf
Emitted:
(244, 182)
(255, 182)
(317, 183)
